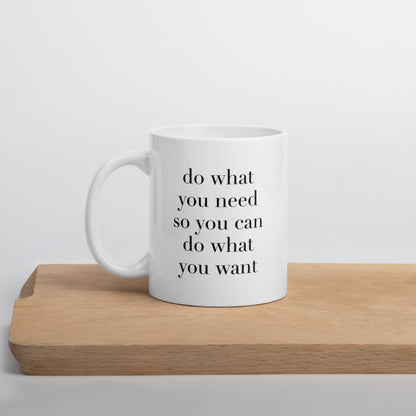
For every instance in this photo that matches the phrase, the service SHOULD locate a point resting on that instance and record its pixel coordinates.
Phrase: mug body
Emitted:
(218, 215)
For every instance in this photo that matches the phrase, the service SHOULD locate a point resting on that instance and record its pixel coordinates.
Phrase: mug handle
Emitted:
(140, 268)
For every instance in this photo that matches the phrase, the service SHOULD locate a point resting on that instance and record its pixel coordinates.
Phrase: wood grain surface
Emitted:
(336, 318)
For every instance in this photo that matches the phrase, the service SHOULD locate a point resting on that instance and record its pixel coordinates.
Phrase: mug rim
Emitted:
(235, 131)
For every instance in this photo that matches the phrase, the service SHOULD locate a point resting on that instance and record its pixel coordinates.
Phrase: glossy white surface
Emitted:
(218, 216)
(139, 268)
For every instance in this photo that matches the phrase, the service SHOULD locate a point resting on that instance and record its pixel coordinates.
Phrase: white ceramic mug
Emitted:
(218, 221)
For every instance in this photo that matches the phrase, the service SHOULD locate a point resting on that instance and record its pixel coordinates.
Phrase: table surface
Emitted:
(368, 394)
(336, 318)
(341, 395)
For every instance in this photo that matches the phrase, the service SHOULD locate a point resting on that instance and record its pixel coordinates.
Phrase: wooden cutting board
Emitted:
(336, 318)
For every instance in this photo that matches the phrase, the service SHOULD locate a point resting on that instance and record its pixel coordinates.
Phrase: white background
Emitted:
(83, 80)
